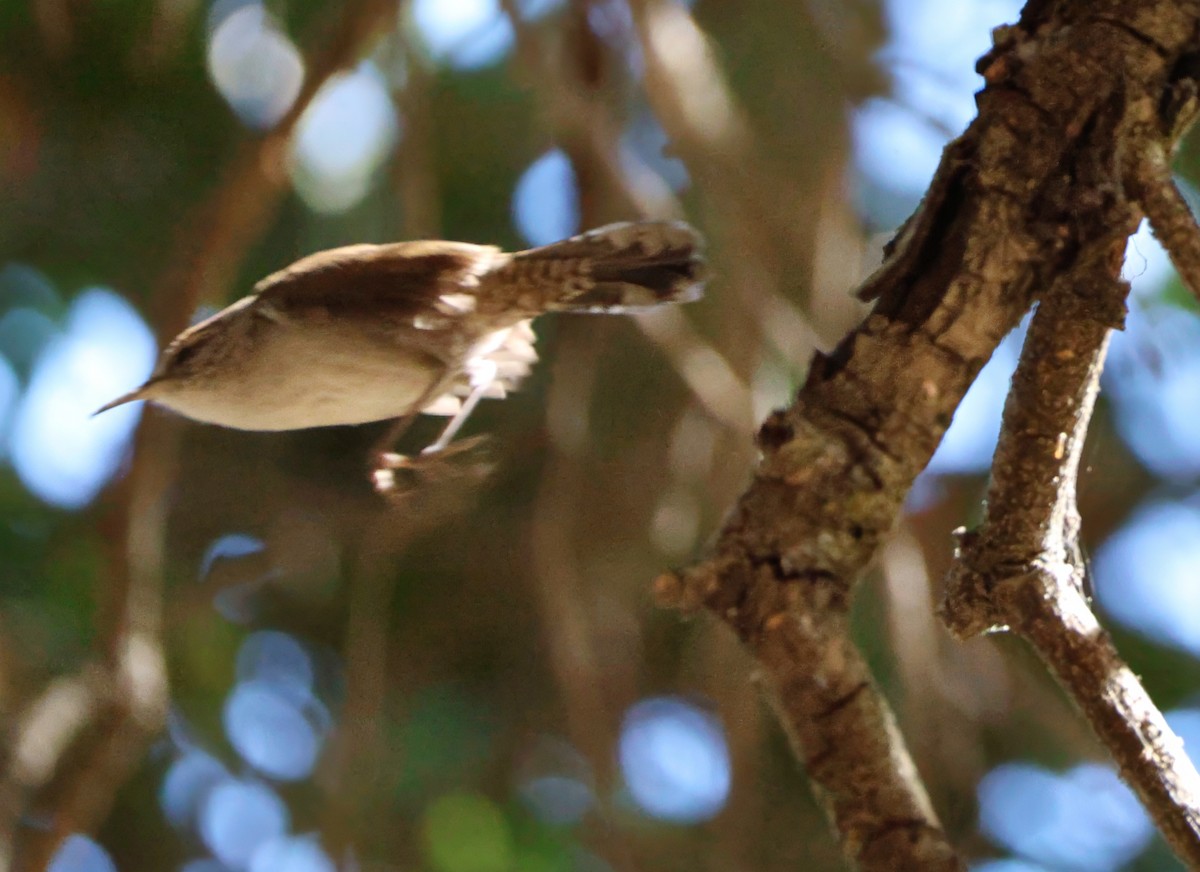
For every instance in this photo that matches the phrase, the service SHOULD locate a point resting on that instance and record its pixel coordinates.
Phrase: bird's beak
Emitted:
(138, 394)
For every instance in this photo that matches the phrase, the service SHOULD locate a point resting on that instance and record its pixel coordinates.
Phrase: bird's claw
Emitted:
(399, 474)
(390, 460)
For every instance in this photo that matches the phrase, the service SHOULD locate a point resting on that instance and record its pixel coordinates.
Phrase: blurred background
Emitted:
(222, 651)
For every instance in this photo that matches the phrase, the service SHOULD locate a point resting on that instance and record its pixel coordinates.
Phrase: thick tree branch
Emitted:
(1014, 205)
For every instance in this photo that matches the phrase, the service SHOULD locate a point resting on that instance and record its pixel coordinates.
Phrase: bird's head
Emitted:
(180, 368)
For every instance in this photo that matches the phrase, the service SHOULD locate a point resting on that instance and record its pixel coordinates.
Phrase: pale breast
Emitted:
(297, 379)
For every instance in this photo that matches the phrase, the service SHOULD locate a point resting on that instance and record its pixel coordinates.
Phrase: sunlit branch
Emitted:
(837, 464)
(1022, 568)
(1171, 218)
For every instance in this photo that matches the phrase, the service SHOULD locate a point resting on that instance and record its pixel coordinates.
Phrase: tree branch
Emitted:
(1014, 204)
(1022, 569)
(1170, 216)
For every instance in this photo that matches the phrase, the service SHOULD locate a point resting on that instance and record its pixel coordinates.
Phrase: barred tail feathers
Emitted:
(616, 268)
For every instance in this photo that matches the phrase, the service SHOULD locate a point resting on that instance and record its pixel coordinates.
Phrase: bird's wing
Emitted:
(401, 280)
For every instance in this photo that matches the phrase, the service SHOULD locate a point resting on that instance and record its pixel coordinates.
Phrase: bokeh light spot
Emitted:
(1153, 380)
(292, 854)
(969, 443)
(238, 567)
(271, 727)
(204, 864)
(254, 65)
(645, 138)
(10, 390)
(185, 785)
(238, 816)
(555, 781)
(532, 10)
(229, 547)
(894, 148)
(1085, 818)
(1146, 267)
(275, 658)
(466, 34)
(1186, 724)
(78, 853)
(546, 200)
(1008, 866)
(24, 333)
(676, 522)
(25, 286)
(557, 799)
(1147, 574)
(675, 760)
(62, 453)
(342, 139)
(31, 306)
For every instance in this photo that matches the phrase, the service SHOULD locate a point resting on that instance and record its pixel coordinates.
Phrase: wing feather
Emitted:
(401, 280)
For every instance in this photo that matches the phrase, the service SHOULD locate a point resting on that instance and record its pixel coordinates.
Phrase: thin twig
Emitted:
(758, 213)
(594, 688)
(349, 776)
(583, 123)
(1022, 569)
(414, 172)
(1171, 218)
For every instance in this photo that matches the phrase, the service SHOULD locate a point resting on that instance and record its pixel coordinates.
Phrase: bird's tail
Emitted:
(615, 268)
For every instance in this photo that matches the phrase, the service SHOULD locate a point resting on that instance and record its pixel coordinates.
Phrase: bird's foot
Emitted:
(396, 475)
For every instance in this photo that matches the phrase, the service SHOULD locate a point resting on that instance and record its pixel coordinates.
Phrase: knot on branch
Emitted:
(986, 593)
(687, 590)
(968, 608)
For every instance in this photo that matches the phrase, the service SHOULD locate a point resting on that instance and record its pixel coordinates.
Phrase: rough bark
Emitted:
(1031, 194)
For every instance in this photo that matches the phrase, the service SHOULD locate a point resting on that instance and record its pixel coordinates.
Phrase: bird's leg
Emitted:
(483, 373)
(383, 448)
(382, 455)
(435, 462)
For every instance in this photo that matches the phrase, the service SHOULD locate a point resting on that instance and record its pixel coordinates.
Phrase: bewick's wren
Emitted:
(371, 332)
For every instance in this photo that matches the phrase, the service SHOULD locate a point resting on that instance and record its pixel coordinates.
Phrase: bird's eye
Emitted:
(185, 354)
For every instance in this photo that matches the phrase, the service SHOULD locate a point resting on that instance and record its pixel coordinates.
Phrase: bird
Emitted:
(369, 332)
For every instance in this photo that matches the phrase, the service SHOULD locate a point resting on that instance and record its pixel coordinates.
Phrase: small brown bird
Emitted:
(373, 332)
